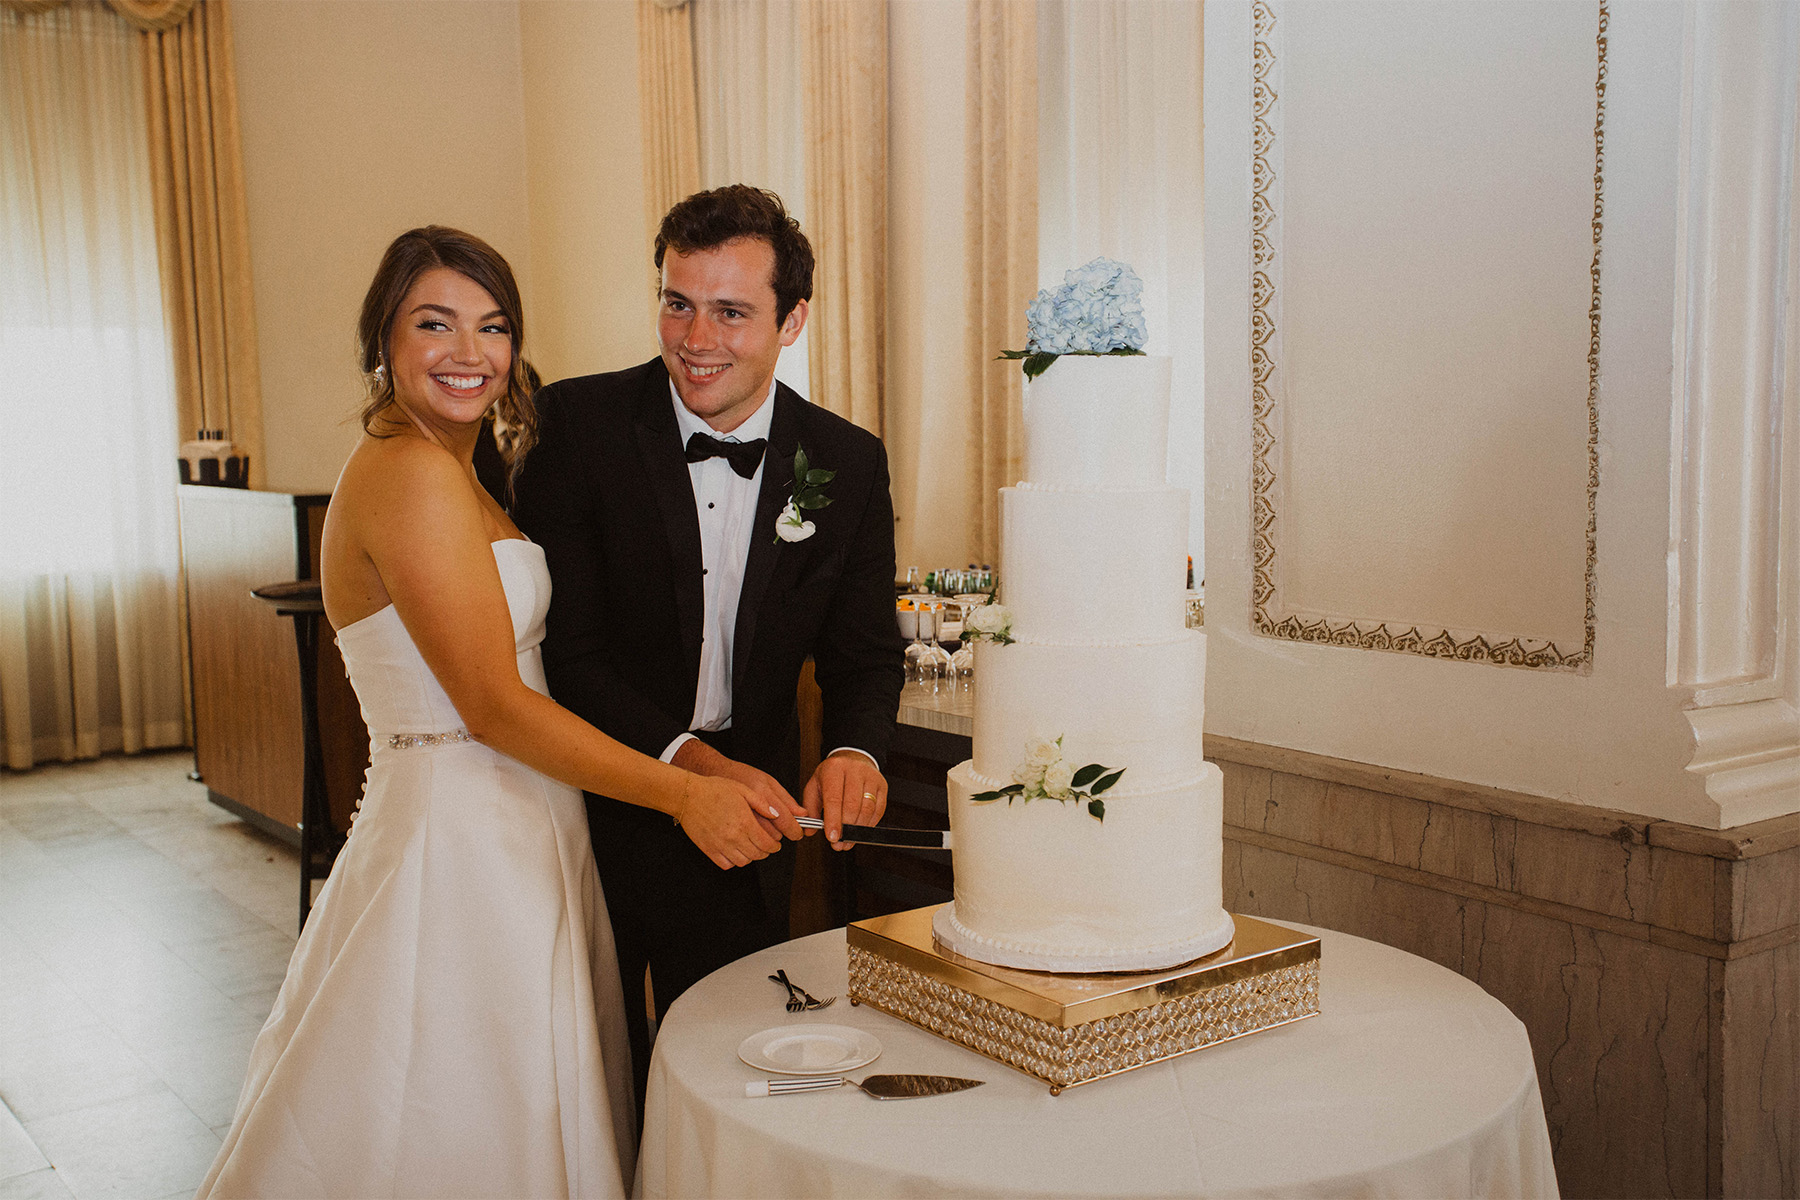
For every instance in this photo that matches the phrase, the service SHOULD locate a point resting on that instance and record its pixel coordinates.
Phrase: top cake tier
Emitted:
(1099, 422)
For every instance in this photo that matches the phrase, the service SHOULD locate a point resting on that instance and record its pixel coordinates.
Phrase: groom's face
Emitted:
(717, 327)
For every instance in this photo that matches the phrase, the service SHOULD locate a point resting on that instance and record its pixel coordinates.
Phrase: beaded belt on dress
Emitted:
(408, 741)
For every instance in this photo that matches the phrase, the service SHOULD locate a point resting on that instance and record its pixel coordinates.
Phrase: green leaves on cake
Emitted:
(1099, 309)
(989, 623)
(1046, 774)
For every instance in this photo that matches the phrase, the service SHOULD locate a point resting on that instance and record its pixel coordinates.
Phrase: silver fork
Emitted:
(808, 1001)
(794, 1002)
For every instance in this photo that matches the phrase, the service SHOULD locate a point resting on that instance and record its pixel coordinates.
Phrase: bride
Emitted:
(451, 1023)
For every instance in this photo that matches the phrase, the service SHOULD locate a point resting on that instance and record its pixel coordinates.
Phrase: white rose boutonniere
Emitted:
(808, 494)
(1045, 773)
(991, 623)
(790, 526)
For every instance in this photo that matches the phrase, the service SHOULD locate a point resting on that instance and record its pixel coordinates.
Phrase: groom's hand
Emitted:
(768, 796)
(848, 788)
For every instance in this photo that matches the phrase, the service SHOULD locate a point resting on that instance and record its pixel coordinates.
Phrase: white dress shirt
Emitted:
(726, 502)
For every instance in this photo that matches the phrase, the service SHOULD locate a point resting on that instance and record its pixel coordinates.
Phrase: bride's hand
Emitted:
(721, 817)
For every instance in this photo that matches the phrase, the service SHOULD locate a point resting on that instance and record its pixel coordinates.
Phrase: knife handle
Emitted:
(788, 1087)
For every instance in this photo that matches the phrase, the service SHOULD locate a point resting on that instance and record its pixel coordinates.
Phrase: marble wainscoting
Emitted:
(1656, 965)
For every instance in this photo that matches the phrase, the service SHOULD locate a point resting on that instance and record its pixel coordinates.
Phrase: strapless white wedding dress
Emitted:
(451, 1023)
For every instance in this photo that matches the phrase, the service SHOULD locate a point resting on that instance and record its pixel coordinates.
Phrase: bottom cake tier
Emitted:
(1043, 886)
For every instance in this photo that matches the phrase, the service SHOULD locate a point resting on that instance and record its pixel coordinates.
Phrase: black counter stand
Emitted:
(319, 839)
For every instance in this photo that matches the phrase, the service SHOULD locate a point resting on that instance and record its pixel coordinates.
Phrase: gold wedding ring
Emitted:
(868, 795)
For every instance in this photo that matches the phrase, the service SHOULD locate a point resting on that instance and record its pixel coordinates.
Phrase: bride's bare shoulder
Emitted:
(413, 456)
(395, 481)
(399, 466)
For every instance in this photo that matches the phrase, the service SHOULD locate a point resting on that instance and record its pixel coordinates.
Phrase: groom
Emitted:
(686, 600)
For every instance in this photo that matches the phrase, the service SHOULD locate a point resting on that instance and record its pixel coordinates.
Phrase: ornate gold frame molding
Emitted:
(1266, 614)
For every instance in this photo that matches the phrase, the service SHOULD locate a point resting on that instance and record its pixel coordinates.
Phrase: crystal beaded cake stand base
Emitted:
(1073, 1029)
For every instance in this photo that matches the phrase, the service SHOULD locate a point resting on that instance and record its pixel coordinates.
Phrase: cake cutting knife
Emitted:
(882, 1087)
(884, 835)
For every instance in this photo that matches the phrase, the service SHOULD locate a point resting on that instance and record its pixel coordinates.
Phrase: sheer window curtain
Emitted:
(1120, 174)
(90, 646)
(748, 75)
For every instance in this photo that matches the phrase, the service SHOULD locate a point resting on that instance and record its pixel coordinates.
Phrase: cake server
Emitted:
(882, 1087)
(883, 835)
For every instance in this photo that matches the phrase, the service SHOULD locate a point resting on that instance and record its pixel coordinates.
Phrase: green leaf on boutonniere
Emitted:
(809, 483)
(1097, 809)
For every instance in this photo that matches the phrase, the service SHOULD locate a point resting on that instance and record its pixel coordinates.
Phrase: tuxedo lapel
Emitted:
(765, 547)
(672, 490)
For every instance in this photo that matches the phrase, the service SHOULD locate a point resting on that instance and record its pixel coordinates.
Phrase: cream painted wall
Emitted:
(1614, 737)
(593, 293)
(360, 121)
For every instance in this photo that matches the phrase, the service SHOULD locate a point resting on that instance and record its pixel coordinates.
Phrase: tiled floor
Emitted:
(143, 935)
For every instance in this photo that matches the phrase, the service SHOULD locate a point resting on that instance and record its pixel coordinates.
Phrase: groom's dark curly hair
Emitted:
(706, 220)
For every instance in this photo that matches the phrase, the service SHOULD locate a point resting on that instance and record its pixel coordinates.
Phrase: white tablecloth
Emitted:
(1412, 1082)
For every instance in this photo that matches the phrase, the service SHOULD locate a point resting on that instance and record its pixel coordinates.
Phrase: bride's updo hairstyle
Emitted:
(411, 255)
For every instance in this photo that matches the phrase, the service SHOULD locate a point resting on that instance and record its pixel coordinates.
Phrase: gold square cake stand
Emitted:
(1069, 1030)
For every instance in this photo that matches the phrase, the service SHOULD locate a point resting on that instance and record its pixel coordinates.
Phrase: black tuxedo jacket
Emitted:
(607, 494)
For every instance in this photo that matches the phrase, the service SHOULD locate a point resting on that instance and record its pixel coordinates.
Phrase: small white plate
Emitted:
(809, 1049)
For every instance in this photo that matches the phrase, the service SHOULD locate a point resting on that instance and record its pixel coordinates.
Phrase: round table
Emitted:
(1411, 1081)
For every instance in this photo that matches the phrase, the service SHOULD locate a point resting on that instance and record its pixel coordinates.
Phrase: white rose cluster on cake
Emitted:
(1098, 667)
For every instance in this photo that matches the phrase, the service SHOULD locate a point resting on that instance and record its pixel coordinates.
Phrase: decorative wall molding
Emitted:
(1734, 479)
(1269, 616)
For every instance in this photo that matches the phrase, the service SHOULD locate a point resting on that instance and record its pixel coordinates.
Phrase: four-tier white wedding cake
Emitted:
(1087, 827)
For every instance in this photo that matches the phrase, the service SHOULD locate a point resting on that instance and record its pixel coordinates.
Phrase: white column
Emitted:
(1735, 478)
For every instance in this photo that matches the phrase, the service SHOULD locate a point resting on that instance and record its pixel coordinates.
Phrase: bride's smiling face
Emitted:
(450, 350)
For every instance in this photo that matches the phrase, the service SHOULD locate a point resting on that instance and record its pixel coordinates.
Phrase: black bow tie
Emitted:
(744, 457)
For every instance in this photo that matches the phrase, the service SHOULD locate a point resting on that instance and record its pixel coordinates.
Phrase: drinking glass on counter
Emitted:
(962, 663)
(926, 661)
(940, 657)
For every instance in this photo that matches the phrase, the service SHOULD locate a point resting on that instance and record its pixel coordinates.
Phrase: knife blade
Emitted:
(886, 835)
(882, 1087)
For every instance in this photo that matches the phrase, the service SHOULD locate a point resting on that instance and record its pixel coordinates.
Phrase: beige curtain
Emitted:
(1002, 233)
(202, 232)
(667, 108)
(90, 649)
(146, 16)
(846, 203)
